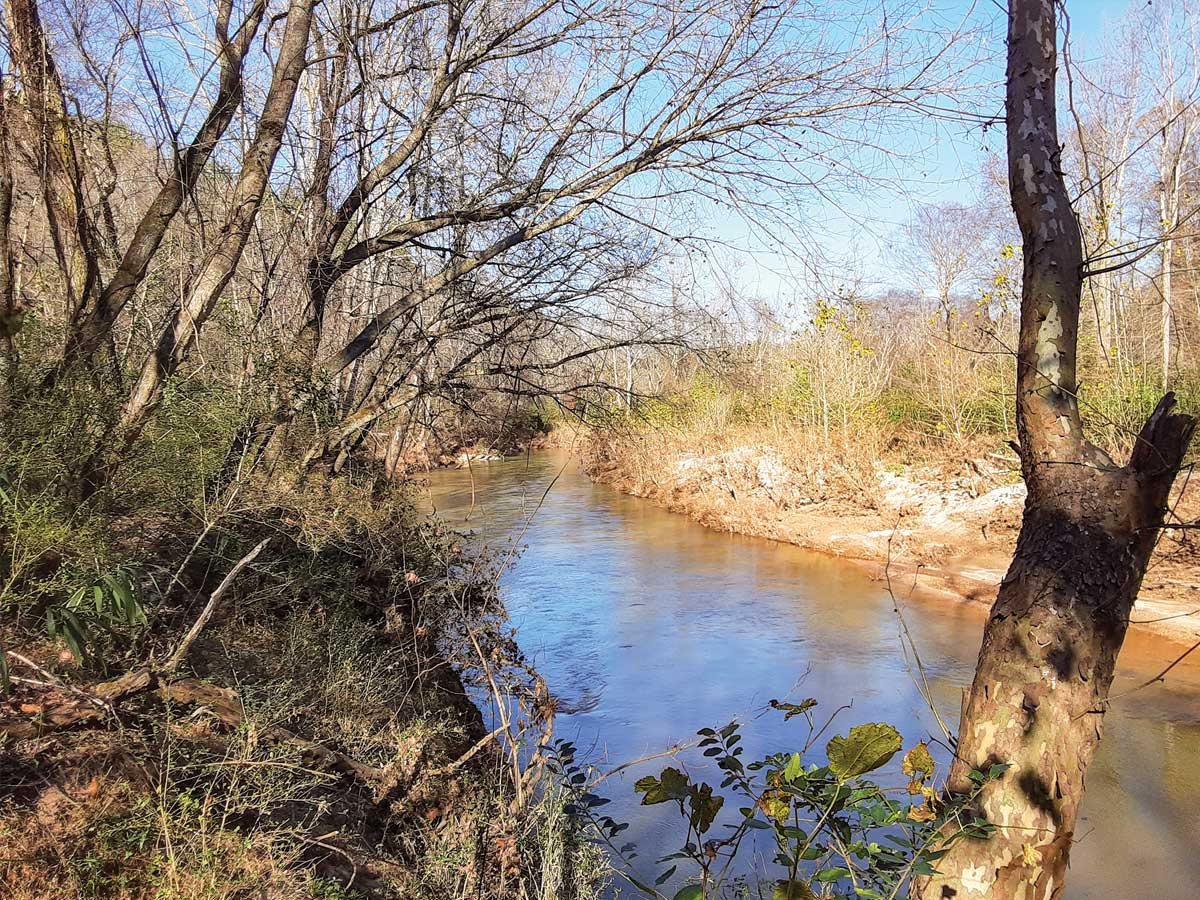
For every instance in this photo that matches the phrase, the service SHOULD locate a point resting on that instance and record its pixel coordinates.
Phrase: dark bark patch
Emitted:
(1062, 660)
(1037, 792)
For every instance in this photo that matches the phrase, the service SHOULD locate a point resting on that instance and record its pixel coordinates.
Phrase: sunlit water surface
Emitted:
(648, 626)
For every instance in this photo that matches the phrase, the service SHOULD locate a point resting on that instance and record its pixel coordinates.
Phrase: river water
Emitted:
(648, 627)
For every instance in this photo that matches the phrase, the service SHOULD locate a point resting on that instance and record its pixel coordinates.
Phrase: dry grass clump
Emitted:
(783, 467)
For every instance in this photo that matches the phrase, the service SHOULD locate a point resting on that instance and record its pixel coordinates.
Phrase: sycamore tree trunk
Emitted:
(1050, 645)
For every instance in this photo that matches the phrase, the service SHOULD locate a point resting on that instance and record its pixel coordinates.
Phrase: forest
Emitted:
(297, 295)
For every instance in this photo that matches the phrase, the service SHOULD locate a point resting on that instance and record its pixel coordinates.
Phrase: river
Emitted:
(648, 627)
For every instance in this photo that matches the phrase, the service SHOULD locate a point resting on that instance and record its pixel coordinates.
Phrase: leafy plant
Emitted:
(96, 610)
(833, 832)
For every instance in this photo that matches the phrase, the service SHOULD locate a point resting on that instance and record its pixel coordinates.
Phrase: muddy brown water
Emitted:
(648, 627)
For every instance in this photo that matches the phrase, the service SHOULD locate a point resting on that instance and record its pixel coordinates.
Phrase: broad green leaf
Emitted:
(704, 807)
(866, 749)
(670, 785)
(792, 890)
(833, 874)
(793, 768)
(691, 892)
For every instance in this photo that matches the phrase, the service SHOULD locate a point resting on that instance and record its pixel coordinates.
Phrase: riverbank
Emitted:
(283, 705)
(927, 517)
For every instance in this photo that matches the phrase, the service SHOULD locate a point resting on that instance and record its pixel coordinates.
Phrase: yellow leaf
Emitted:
(917, 761)
(921, 813)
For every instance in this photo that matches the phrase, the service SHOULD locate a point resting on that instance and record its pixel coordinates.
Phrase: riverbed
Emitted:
(648, 627)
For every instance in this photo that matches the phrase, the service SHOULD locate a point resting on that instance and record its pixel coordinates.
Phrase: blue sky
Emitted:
(940, 162)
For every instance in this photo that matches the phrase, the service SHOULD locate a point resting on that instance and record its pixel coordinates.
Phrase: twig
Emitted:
(671, 751)
(923, 687)
(178, 656)
(457, 764)
(1161, 676)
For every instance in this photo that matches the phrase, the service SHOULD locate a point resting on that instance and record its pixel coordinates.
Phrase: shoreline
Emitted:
(927, 534)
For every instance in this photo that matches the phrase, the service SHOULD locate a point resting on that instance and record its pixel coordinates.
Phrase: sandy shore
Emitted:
(924, 529)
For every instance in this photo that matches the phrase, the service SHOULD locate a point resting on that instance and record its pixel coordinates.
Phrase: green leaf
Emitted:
(74, 634)
(691, 892)
(670, 785)
(665, 876)
(704, 807)
(837, 872)
(793, 768)
(866, 749)
(792, 890)
(5, 683)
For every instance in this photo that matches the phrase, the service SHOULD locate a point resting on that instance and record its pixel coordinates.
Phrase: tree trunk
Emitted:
(1168, 254)
(94, 326)
(1050, 645)
(10, 309)
(54, 153)
(219, 265)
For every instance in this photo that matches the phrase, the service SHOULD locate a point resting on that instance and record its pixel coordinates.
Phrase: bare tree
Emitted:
(222, 259)
(1105, 105)
(588, 145)
(947, 248)
(1174, 33)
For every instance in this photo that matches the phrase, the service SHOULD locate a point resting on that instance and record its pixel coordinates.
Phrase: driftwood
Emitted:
(226, 705)
(77, 707)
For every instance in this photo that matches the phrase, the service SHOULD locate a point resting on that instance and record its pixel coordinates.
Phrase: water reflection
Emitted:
(649, 626)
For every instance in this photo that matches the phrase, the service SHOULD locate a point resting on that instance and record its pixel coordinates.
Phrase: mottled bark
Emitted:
(1050, 645)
